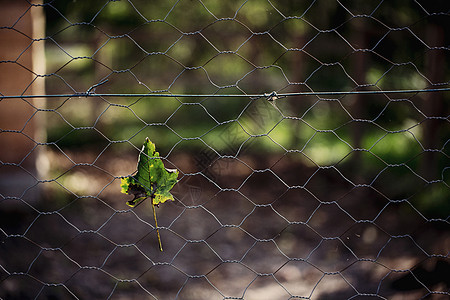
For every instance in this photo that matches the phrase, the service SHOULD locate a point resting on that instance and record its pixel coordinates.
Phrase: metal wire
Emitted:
(304, 198)
(255, 96)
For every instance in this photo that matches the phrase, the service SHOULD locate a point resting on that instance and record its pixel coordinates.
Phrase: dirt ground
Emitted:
(245, 228)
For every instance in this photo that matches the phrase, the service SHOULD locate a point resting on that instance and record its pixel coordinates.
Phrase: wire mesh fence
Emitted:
(311, 137)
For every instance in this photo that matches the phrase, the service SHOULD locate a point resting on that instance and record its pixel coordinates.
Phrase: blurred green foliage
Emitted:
(244, 47)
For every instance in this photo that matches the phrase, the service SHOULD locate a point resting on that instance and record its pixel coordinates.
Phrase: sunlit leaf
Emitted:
(152, 180)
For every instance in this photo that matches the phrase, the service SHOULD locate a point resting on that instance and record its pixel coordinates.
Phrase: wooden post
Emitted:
(435, 72)
(22, 60)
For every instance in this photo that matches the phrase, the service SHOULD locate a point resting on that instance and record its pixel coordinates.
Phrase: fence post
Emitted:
(22, 60)
(434, 101)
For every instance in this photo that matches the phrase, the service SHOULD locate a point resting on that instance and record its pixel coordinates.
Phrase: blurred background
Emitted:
(320, 195)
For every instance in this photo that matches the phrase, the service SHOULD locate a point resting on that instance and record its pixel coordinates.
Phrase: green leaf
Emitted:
(152, 178)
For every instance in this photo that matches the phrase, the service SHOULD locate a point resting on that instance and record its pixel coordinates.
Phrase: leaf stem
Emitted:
(157, 229)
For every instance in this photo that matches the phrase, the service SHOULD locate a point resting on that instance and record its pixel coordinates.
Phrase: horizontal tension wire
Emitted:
(265, 95)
